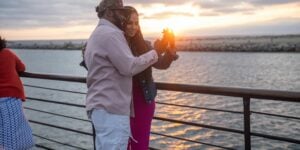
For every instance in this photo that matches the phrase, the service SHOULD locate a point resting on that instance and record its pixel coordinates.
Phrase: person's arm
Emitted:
(164, 60)
(20, 66)
(121, 57)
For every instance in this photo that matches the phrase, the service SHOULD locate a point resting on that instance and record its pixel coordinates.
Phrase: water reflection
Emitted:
(258, 70)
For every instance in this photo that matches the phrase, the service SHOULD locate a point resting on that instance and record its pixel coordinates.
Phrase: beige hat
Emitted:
(114, 4)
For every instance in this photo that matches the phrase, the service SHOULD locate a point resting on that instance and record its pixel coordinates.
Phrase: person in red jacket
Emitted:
(15, 132)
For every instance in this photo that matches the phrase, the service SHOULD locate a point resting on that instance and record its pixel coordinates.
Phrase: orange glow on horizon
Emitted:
(193, 20)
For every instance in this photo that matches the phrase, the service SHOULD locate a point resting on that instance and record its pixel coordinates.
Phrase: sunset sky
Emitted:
(76, 19)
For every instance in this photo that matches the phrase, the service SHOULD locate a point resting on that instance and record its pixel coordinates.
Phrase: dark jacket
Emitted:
(146, 79)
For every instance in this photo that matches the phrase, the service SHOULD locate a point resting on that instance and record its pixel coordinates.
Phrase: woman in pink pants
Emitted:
(144, 90)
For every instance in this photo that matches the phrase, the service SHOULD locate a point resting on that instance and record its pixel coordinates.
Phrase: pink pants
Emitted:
(141, 123)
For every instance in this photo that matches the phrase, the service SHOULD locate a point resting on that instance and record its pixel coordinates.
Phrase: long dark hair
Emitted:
(2, 43)
(137, 44)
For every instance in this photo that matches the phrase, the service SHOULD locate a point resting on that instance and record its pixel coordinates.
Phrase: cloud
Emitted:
(276, 26)
(147, 2)
(272, 27)
(217, 7)
(233, 6)
(30, 15)
(166, 15)
(58, 13)
(227, 10)
(271, 2)
(54, 13)
(211, 3)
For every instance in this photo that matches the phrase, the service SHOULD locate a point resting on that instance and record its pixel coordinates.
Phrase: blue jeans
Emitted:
(112, 131)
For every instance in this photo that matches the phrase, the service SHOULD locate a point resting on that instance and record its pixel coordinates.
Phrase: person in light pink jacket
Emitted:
(111, 67)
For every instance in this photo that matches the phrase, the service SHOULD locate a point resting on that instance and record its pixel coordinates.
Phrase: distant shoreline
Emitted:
(276, 43)
(23, 49)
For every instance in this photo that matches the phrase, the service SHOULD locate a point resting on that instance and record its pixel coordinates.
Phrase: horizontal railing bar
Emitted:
(54, 77)
(232, 91)
(151, 148)
(254, 134)
(58, 127)
(46, 88)
(192, 141)
(159, 118)
(54, 141)
(72, 130)
(76, 105)
(44, 147)
(181, 122)
(276, 138)
(275, 115)
(255, 112)
(55, 114)
(188, 123)
(224, 91)
(196, 107)
(152, 132)
(200, 125)
(55, 102)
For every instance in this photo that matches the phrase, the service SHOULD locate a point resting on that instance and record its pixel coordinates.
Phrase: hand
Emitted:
(167, 43)
(168, 36)
(160, 46)
(172, 54)
(175, 57)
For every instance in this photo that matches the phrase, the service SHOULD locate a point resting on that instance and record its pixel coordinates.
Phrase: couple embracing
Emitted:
(121, 90)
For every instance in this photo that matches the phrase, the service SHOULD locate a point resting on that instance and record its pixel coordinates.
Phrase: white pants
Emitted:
(112, 131)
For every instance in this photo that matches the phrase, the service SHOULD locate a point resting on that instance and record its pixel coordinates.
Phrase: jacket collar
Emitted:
(106, 22)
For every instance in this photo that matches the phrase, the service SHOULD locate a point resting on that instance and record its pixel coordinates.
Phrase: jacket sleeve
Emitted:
(164, 60)
(20, 66)
(121, 57)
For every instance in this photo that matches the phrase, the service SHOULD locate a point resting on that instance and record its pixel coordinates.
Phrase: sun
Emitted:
(177, 25)
(155, 17)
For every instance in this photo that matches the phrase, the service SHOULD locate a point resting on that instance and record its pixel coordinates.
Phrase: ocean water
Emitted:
(277, 71)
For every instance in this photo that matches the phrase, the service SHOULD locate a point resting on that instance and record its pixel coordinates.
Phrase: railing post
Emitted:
(94, 136)
(247, 135)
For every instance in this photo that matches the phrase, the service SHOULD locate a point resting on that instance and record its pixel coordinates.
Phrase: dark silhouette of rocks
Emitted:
(53, 45)
(278, 43)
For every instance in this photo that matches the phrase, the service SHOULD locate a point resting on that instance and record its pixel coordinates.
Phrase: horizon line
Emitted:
(186, 36)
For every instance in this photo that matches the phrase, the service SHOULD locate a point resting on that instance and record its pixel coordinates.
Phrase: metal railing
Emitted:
(244, 93)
